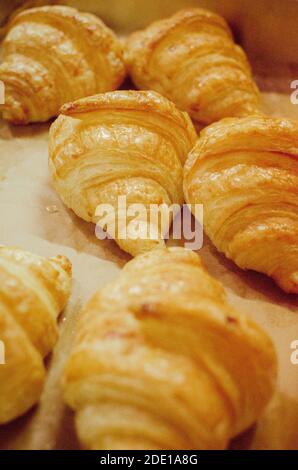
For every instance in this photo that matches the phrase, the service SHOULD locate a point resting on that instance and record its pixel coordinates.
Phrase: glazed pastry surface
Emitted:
(130, 144)
(245, 173)
(162, 361)
(192, 59)
(33, 291)
(53, 55)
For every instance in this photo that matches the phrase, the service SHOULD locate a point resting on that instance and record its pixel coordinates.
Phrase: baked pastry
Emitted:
(53, 55)
(128, 144)
(191, 58)
(33, 291)
(162, 361)
(245, 173)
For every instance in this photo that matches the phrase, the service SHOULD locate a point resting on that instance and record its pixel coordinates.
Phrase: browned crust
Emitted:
(146, 101)
(163, 27)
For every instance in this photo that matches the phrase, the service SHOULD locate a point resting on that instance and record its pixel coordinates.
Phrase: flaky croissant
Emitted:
(33, 291)
(128, 144)
(245, 173)
(53, 55)
(162, 361)
(191, 58)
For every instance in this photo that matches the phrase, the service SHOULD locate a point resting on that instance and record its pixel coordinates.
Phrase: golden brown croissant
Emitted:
(33, 291)
(53, 55)
(245, 173)
(162, 361)
(191, 58)
(131, 144)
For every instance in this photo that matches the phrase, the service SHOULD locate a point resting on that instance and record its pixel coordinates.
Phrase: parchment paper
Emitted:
(33, 218)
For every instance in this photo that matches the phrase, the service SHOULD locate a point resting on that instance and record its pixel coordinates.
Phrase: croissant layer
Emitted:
(53, 55)
(245, 173)
(162, 361)
(192, 59)
(33, 290)
(128, 144)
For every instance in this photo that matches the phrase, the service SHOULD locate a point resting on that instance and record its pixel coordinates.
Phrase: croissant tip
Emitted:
(294, 283)
(68, 108)
(64, 263)
(288, 284)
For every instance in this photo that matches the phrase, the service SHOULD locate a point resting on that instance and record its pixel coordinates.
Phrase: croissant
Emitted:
(162, 361)
(125, 144)
(33, 290)
(53, 55)
(191, 58)
(245, 173)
